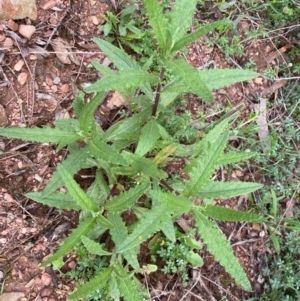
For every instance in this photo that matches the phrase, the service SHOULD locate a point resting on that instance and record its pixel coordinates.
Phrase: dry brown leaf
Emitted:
(61, 46)
(261, 113)
(11, 296)
(117, 100)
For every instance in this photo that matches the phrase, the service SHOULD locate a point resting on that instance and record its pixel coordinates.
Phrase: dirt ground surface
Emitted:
(39, 76)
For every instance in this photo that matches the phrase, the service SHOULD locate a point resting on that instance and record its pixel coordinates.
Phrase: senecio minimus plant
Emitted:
(135, 151)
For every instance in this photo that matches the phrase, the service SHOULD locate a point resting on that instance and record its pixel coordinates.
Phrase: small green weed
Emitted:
(130, 159)
(178, 255)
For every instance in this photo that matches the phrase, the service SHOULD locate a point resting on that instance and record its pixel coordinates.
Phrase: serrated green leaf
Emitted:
(149, 135)
(73, 163)
(194, 259)
(204, 166)
(219, 78)
(219, 247)
(158, 23)
(144, 166)
(234, 157)
(42, 135)
(99, 189)
(129, 126)
(193, 243)
(94, 247)
(78, 103)
(177, 204)
(169, 230)
(230, 215)
(101, 150)
(87, 119)
(205, 29)
(181, 18)
(146, 227)
(122, 80)
(106, 71)
(190, 78)
(224, 190)
(79, 196)
(57, 200)
(162, 155)
(126, 285)
(104, 222)
(119, 233)
(127, 199)
(91, 286)
(69, 243)
(116, 55)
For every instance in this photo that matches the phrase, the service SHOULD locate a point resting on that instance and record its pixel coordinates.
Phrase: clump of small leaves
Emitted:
(131, 156)
(179, 254)
(87, 267)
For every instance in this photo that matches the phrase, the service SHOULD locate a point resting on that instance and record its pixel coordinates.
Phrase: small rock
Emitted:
(53, 20)
(22, 78)
(56, 80)
(49, 4)
(46, 292)
(49, 81)
(11, 24)
(27, 31)
(95, 20)
(3, 118)
(11, 296)
(18, 66)
(54, 88)
(2, 37)
(46, 279)
(8, 42)
(258, 80)
(64, 88)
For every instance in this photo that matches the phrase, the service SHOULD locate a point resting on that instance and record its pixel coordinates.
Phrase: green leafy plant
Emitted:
(178, 255)
(131, 159)
(122, 28)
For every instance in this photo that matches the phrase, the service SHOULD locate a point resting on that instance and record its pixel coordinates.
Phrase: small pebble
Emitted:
(56, 80)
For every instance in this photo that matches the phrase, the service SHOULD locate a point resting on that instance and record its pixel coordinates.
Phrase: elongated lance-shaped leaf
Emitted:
(190, 78)
(146, 227)
(144, 166)
(130, 125)
(94, 247)
(122, 61)
(122, 79)
(181, 17)
(149, 136)
(42, 135)
(78, 103)
(127, 199)
(104, 222)
(230, 215)
(86, 118)
(234, 157)
(219, 247)
(177, 204)
(162, 155)
(93, 285)
(80, 197)
(169, 230)
(219, 78)
(69, 243)
(224, 190)
(100, 150)
(212, 136)
(73, 163)
(117, 56)
(57, 200)
(119, 233)
(126, 285)
(99, 189)
(158, 23)
(190, 38)
(205, 166)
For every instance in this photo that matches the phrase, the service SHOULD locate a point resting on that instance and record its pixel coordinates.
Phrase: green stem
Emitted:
(158, 89)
